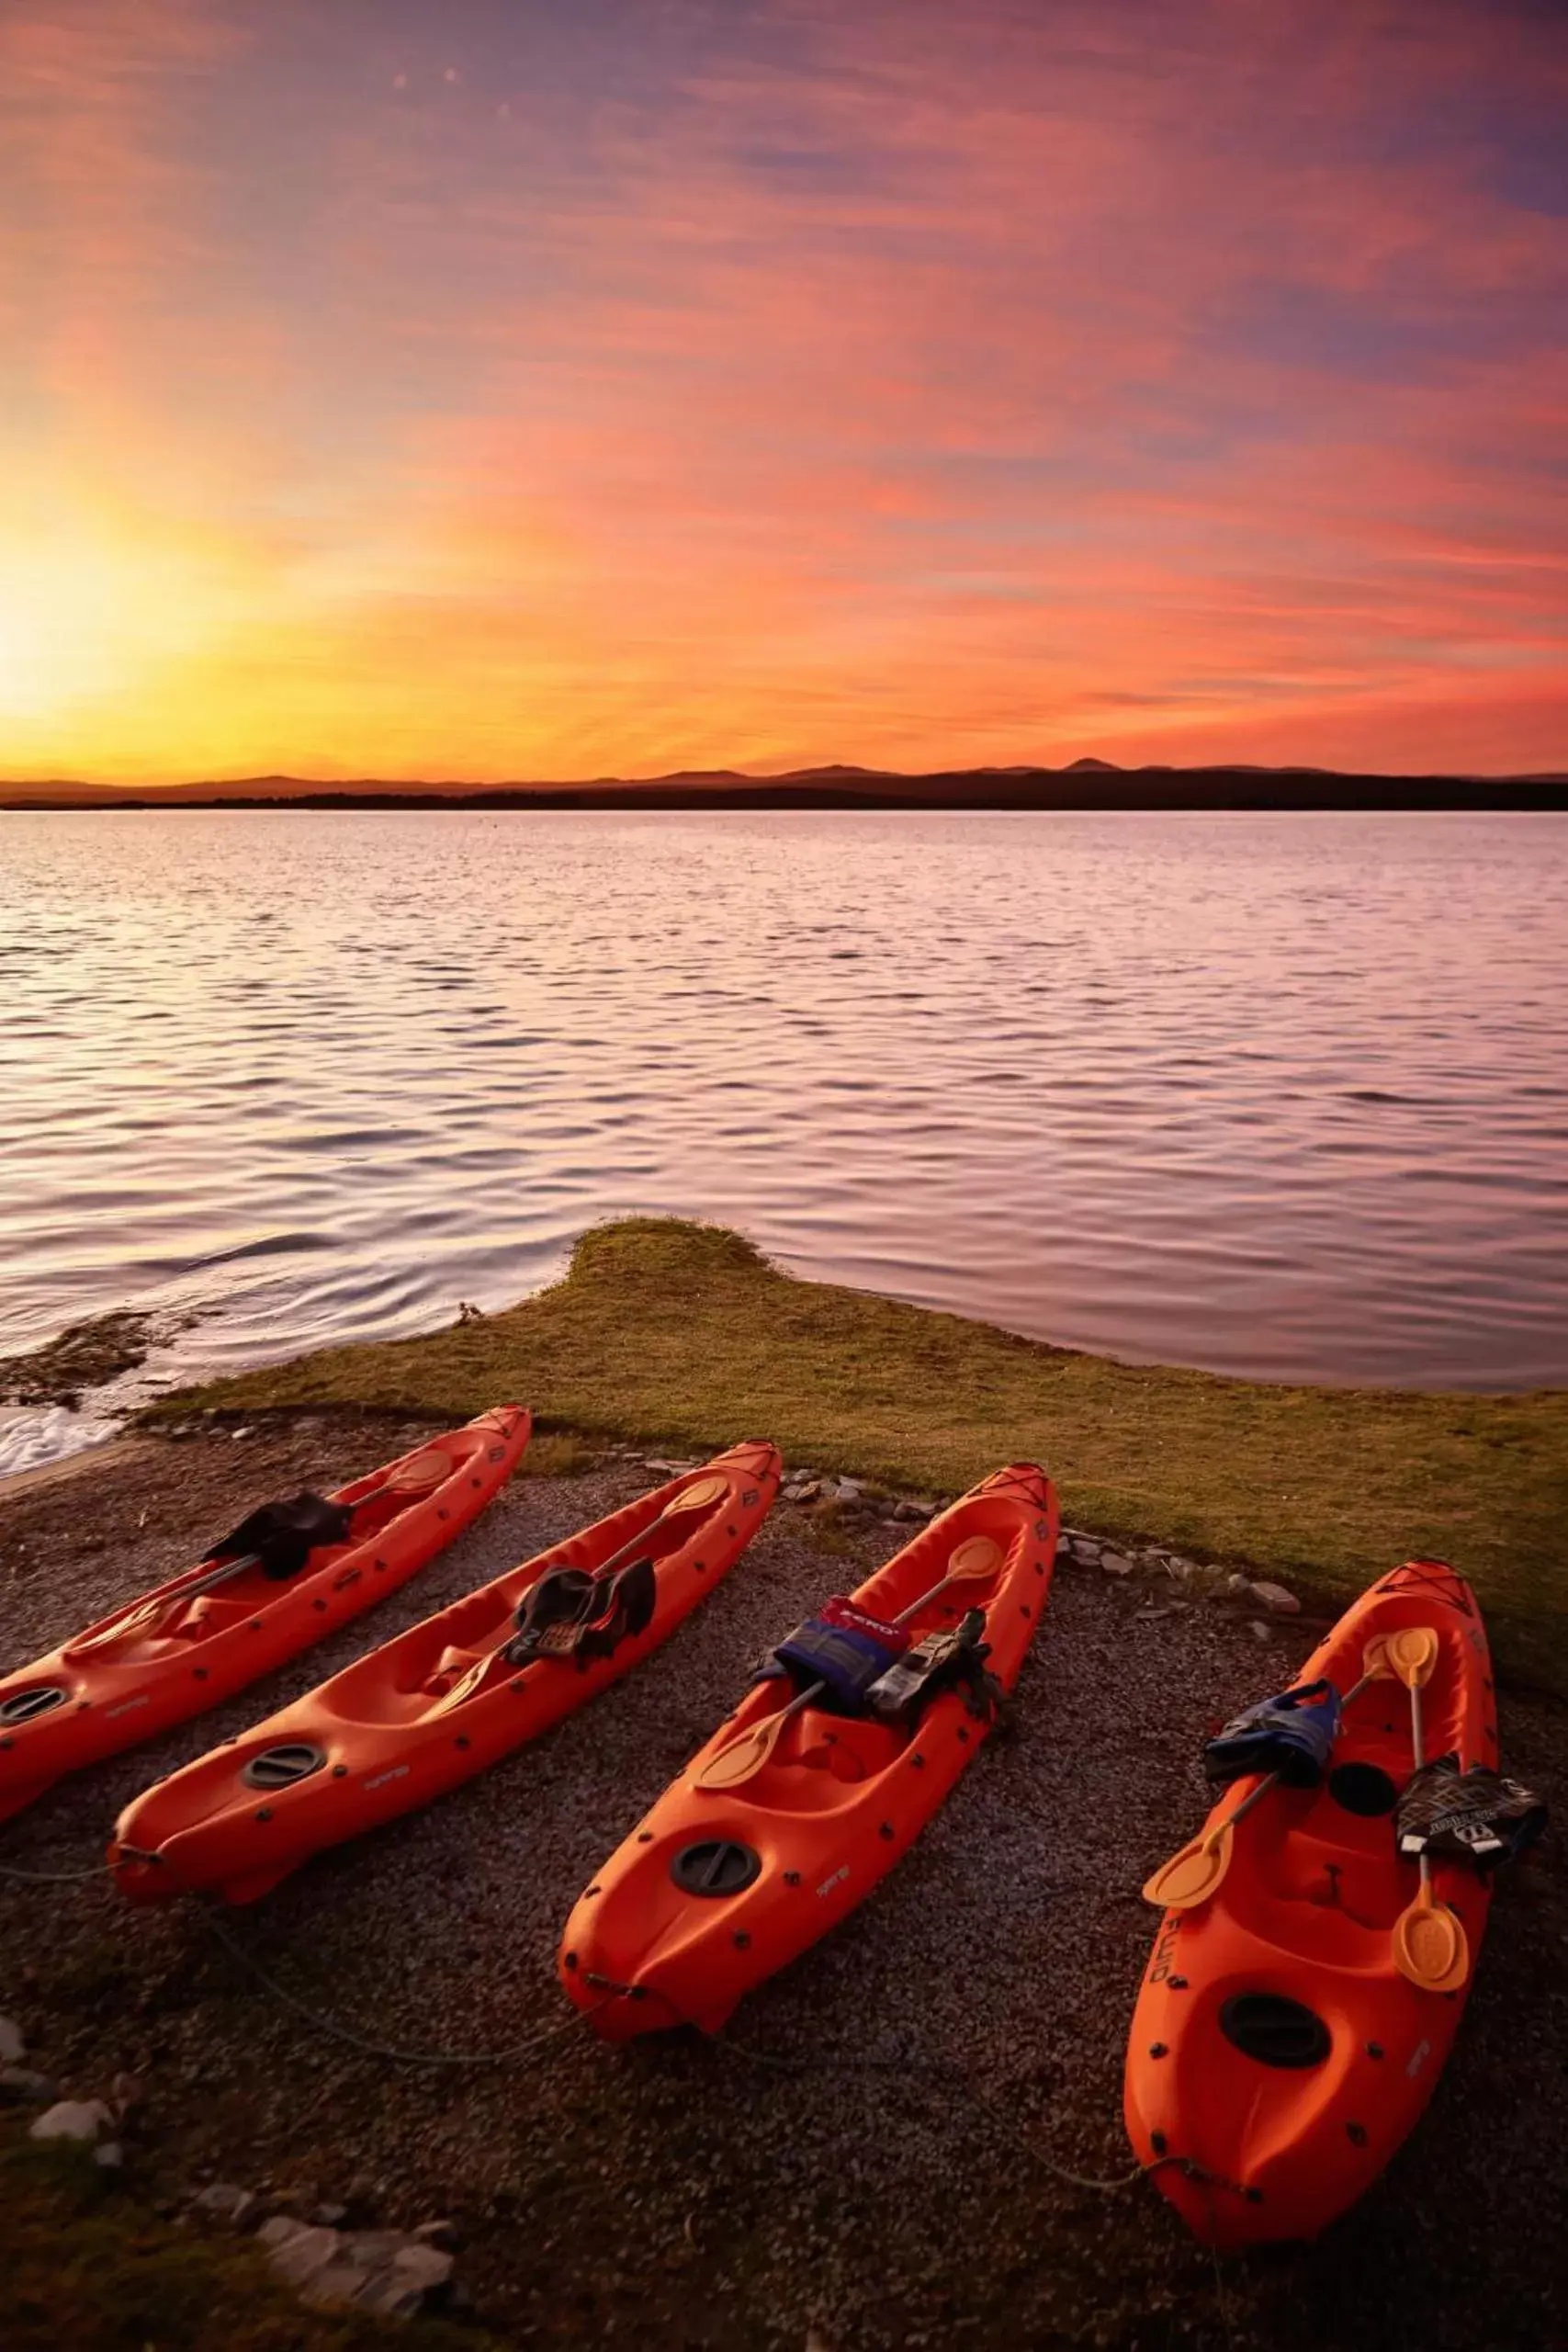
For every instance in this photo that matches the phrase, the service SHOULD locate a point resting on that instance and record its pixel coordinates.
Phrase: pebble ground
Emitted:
(819, 2176)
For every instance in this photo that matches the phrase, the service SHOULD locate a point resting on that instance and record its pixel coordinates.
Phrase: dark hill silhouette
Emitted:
(1087, 783)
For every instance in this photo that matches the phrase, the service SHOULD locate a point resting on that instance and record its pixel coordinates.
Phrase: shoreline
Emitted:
(669, 1334)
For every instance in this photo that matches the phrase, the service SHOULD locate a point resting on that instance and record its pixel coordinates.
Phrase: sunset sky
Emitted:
(491, 388)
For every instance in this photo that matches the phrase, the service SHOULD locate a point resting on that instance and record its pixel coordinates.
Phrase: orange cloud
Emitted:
(832, 383)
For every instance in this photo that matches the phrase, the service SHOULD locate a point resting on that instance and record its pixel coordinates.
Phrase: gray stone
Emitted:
(424, 2266)
(1259, 1631)
(1116, 1563)
(1276, 1599)
(13, 2049)
(1236, 1582)
(1086, 1549)
(72, 2119)
(404, 2285)
(336, 2282)
(303, 2254)
(374, 2249)
(850, 1490)
(109, 2153)
(279, 2230)
(223, 2199)
(329, 2217)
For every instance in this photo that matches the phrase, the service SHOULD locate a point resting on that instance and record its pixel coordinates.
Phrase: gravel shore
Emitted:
(818, 2175)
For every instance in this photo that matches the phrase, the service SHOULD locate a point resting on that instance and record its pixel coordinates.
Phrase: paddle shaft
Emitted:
(628, 1552)
(1417, 1745)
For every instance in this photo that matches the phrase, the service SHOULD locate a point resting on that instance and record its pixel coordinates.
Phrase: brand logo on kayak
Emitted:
(393, 1772)
(1423, 2050)
(1159, 1967)
(1042, 1528)
(829, 1884)
(125, 1706)
(750, 1500)
(495, 1453)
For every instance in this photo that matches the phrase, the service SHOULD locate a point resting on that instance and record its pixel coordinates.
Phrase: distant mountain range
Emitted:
(1086, 783)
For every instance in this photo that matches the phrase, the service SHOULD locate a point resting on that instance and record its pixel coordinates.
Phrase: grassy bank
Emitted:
(683, 1336)
(87, 2264)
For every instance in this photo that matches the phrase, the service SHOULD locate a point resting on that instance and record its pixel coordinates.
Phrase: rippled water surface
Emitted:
(1279, 1095)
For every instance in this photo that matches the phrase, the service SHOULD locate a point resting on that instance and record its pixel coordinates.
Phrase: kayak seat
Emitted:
(212, 1613)
(570, 1614)
(452, 1664)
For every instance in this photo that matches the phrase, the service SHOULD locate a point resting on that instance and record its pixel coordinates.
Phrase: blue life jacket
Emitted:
(1291, 1734)
(847, 1659)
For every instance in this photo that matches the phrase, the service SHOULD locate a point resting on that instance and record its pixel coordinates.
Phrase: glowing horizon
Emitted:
(500, 394)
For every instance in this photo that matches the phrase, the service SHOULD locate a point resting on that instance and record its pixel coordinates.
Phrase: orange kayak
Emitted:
(1276, 2052)
(720, 1886)
(190, 1642)
(453, 1694)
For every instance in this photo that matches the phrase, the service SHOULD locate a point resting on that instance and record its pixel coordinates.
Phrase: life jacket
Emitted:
(282, 1536)
(844, 1649)
(1476, 1817)
(952, 1659)
(1291, 1735)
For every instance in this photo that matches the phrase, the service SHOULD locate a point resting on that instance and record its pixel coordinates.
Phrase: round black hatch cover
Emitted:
(1365, 1789)
(280, 1768)
(23, 1705)
(717, 1866)
(1276, 2031)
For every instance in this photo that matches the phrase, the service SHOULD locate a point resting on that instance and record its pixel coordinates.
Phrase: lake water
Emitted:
(1282, 1095)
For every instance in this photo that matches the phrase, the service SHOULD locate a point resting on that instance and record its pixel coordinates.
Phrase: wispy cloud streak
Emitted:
(485, 393)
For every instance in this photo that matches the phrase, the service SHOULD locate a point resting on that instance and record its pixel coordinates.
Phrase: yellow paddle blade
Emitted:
(699, 1496)
(421, 1470)
(1431, 1946)
(743, 1756)
(1410, 1654)
(978, 1557)
(1192, 1875)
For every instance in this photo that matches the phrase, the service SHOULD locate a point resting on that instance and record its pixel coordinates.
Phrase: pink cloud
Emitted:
(855, 386)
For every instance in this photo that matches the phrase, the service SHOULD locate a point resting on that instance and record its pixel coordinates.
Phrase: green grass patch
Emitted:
(558, 1453)
(683, 1337)
(84, 2265)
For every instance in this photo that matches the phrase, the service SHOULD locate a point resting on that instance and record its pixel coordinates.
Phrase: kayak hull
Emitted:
(840, 1801)
(128, 1679)
(428, 1710)
(1277, 2058)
